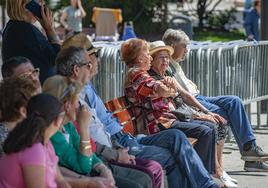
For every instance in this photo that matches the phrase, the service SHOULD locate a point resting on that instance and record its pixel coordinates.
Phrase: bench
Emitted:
(121, 109)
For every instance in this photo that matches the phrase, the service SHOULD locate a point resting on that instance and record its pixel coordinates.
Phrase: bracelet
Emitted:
(85, 141)
(87, 147)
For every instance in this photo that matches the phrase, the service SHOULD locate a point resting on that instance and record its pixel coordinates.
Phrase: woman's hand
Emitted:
(169, 81)
(104, 172)
(83, 118)
(47, 23)
(47, 20)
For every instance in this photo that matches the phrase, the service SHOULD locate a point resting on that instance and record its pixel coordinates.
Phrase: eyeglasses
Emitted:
(163, 57)
(95, 53)
(35, 72)
(83, 64)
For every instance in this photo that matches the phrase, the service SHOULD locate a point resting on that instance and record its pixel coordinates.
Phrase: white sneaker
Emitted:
(226, 176)
(227, 182)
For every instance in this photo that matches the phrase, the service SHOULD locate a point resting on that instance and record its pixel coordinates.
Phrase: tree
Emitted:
(148, 16)
(203, 11)
(3, 7)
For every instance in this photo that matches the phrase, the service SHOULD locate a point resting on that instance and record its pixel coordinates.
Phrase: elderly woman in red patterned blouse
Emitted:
(152, 101)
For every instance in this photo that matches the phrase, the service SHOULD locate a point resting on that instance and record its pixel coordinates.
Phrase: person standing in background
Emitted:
(71, 17)
(22, 38)
(251, 23)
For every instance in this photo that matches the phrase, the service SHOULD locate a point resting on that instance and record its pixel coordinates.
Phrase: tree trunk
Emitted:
(201, 8)
(3, 7)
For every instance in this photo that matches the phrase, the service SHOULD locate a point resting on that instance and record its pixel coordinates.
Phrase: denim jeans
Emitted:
(172, 150)
(231, 108)
(204, 131)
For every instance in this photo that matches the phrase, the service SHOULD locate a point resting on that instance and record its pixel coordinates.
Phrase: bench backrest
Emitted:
(121, 109)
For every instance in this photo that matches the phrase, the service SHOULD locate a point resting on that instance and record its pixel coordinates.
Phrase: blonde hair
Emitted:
(130, 50)
(16, 9)
(61, 88)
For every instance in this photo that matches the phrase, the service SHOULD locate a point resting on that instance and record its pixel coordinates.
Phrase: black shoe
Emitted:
(256, 166)
(254, 154)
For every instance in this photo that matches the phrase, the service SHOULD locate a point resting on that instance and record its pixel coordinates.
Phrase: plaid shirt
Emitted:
(151, 110)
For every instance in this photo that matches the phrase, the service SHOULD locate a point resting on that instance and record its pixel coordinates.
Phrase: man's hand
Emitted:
(124, 157)
(219, 119)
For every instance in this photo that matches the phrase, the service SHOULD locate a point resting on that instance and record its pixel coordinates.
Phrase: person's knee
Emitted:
(207, 132)
(155, 167)
(235, 99)
(175, 134)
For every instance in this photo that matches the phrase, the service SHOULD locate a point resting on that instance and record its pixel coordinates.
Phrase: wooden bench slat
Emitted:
(121, 109)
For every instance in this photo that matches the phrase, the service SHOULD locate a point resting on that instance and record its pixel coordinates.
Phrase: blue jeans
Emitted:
(231, 108)
(172, 150)
(204, 131)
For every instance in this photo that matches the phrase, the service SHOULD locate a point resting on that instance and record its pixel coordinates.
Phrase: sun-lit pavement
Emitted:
(234, 165)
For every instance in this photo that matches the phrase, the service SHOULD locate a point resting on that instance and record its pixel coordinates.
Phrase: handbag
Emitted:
(183, 112)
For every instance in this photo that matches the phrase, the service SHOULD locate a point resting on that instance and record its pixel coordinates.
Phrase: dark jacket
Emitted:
(24, 39)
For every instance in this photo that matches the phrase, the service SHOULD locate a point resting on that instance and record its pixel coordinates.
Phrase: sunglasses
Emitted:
(35, 72)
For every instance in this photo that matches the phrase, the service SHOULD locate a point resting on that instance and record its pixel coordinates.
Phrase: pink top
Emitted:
(11, 173)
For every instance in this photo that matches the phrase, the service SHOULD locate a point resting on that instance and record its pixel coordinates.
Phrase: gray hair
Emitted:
(69, 57)
(172, 37)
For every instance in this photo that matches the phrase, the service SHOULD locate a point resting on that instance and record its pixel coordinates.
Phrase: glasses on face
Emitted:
(163, 57)
(95, 53)
(35, 72)
(85, 64)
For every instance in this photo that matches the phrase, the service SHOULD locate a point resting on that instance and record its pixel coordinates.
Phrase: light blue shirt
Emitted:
(110, 123)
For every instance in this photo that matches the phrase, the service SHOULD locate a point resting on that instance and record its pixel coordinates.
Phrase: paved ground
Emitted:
(234, 165)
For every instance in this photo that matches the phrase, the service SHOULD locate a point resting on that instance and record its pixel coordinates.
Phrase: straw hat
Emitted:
(80, 40)
(158, 46)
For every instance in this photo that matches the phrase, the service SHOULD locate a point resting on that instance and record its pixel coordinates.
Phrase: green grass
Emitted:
(216, 36)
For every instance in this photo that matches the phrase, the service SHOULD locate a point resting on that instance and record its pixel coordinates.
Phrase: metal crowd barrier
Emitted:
(234, 68)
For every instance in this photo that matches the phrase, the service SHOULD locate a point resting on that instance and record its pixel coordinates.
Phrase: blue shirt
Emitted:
(111, 124)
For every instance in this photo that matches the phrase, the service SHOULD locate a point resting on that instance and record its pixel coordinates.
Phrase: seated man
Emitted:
(229, 107)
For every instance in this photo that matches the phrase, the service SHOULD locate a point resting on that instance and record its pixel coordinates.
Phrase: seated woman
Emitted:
(20, 83)
(74, 151)
(29, 159)
(22, 38)
(151, 99)
(14, 96)
(159, 70)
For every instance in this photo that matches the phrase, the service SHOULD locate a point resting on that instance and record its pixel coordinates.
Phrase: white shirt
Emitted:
(183, 80)
(96, 128)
